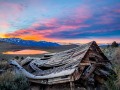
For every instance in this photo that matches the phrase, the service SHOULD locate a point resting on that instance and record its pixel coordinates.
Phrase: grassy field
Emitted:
(113, 54)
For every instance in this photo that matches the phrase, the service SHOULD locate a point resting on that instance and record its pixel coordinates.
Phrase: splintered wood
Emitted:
(85, 63)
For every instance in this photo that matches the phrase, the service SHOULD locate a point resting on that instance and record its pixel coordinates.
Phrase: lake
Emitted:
(26, 52)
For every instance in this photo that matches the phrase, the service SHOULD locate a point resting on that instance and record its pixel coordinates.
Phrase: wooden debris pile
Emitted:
(83, 64)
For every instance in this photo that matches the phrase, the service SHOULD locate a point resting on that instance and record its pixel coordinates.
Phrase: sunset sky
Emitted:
(74, 21)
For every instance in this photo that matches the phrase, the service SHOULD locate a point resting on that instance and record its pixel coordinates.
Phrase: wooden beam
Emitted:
(85, 64)
(88, 71)
(72, 86)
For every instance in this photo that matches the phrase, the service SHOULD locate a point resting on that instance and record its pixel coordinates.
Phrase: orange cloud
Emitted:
(39, 35)
(29, 35)
(3, 35)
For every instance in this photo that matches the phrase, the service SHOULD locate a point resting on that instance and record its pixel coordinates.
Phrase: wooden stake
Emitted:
(72, 86)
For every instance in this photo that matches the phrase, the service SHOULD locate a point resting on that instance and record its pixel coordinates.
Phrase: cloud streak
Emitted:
(69, 21)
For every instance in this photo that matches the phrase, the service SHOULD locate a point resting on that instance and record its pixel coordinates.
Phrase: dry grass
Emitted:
(113, 54)
(8, 75)
(9, 81)
(117, 56)
(4, 65)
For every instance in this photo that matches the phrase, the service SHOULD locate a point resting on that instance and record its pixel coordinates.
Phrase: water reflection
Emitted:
(26, 51)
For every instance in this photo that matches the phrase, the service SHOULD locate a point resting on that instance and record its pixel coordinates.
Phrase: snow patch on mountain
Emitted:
(19, 41)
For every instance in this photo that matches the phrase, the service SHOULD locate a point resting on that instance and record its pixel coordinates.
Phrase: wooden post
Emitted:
(72, 86)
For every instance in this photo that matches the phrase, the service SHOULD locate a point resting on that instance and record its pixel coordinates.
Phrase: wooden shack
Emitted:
(83, 66)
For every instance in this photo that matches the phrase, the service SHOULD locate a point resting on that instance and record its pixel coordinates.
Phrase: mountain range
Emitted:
(22, 42)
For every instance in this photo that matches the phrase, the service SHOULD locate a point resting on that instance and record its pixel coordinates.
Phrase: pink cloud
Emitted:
(43, 33)
(83, 12)
(30, 35)
(39, 35)
(8, 10)
(94, 31)
(77, 19)
(4, 25)
(106, 19)
(46, 22)
(117, 10)
(79, 14)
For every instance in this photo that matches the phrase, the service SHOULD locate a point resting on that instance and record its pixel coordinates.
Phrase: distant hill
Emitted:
(105, 45)
(30, 43)
(6, 46)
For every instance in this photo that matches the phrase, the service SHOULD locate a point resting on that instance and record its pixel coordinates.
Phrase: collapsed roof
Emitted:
(66, 66)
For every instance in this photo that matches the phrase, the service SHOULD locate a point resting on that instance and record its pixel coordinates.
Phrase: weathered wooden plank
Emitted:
(85, 64)
(77, 58)
(72, 86)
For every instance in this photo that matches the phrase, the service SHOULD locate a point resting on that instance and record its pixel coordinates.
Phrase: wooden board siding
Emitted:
(80, 62)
